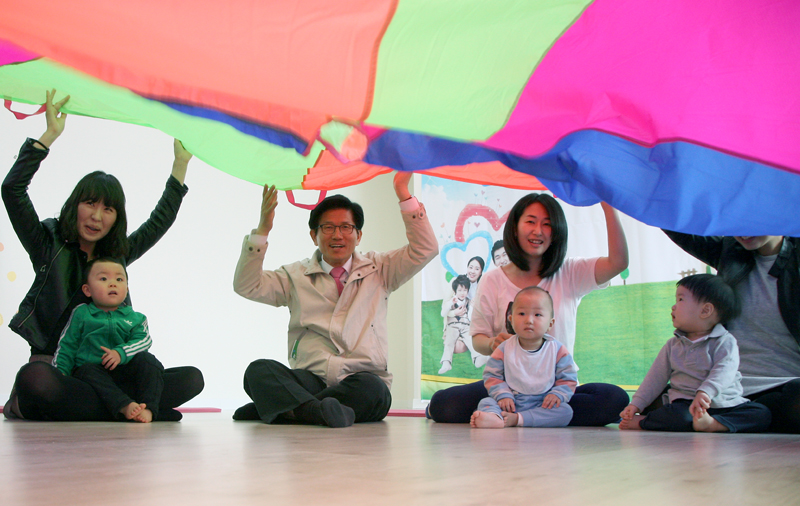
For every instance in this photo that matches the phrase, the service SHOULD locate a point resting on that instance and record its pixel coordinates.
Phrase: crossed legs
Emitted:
(281, 394)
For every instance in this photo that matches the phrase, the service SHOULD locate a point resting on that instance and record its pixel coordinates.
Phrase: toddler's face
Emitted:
(686, 311)
(532, 315)
(107, 285)
(461, 292)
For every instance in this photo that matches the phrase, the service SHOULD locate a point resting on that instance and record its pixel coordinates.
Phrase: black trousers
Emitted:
(593, 404)
(43, 393)
(276, 389)
(784, 403)
(675, 417)
(141, 380)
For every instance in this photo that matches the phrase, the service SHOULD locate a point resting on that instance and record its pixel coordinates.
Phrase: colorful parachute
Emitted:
(682, 114)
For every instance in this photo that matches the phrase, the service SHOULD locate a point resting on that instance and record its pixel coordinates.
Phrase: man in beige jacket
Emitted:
(338, 301)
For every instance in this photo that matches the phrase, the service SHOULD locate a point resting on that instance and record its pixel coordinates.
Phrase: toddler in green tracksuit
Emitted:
(105, 344)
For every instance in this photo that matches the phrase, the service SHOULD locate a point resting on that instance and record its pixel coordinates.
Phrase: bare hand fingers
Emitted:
(269, 192)
(180, 151)
(270, 199)
(509, 406)
(58, 105)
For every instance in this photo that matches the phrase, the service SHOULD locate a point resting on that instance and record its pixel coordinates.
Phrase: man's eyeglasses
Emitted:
(328, 229)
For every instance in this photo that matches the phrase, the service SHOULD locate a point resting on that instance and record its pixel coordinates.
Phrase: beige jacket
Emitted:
(330, 335)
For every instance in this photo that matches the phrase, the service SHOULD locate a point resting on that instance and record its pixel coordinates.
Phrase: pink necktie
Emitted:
(337, 272)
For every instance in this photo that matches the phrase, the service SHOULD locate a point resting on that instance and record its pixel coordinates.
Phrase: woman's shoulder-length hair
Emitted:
(553, 258)
(95, 187)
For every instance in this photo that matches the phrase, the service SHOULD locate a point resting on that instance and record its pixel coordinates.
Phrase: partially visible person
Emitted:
(499, 255)
(700, 366)
(92, 224)
(338, 302)
(765, 274)
(105, 345)
(535, 238)
(530, 377)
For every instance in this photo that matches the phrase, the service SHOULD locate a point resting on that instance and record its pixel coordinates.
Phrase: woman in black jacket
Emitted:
(92, 223)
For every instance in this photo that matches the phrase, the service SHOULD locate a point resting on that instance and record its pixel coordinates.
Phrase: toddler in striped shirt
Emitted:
(530, 377)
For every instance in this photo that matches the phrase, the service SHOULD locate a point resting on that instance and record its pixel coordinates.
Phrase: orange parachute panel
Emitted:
(332, 64)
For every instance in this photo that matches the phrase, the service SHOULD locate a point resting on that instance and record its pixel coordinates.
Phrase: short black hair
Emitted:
(496, 246)
(713, 289)
(94, 187)
(336, 202)
(100, 260)
(460, 280)
(553, 258)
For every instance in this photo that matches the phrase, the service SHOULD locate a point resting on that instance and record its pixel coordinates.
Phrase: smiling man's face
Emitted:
(337, 247)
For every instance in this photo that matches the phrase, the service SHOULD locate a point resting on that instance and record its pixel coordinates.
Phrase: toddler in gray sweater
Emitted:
(700, 367)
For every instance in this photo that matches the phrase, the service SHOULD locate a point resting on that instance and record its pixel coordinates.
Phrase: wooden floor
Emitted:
(209, 459)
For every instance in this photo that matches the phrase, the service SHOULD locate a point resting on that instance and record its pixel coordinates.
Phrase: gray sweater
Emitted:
(710, 364)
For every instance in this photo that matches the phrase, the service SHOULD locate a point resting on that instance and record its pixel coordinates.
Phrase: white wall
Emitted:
(183, 284)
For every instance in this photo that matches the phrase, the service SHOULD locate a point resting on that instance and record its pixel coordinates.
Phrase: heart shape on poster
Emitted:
(462, 246)
(478, 210)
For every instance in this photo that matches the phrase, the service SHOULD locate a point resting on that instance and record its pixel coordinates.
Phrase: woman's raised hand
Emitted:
(181, 163)
(55, 121)
(617, 260)
(180, 152)
(269, 202)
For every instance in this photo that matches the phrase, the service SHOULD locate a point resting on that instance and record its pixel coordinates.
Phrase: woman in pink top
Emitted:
(535, 239)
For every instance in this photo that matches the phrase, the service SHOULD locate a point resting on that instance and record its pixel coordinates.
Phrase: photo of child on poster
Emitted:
(457, 312)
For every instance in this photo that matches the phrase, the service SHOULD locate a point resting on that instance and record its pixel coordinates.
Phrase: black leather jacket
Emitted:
(59, 264)
(734, 263)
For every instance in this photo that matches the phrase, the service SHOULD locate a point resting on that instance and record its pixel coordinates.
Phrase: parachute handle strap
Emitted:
(22, 115)
(290, 197)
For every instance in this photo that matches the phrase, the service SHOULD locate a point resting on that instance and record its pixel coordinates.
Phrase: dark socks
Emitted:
(247, 412)
(328, 412)
(168, 415)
